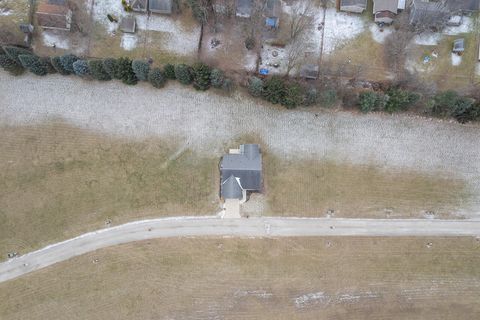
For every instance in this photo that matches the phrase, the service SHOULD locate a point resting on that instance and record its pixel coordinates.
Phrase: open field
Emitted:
(434, 165)
(358, 191)
(58, 181)
(309, 278)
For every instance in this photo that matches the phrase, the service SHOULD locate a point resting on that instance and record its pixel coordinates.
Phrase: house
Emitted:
(160, 6)
(355, 6)
(243, 8)
(273, 10)
(139, 5)
(54, 16)
(385, 11)
(241, 172)
(128, 24)
(463, 6)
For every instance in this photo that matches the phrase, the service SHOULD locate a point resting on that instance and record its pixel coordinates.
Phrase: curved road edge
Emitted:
(213, 226)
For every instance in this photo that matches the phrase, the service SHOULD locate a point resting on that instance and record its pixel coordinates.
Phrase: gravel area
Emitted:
(207, 122)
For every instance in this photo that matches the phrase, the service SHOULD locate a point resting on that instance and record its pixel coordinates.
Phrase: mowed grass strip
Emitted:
(58, 181)
(311, 188)
(226, 278)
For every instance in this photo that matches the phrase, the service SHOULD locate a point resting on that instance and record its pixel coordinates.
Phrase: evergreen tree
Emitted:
(368, 101)
(157, 78)
(125, 71)
(274, 90)
(311, 97)
(97, 71)
(80, 67)
(141, 69)
(201, 76)
(110, 66)
(48, 64)
(293, 96)
(10, 65)
(67, 62)
(14, 52)
(33, 64)
(217, 78)
(169, 71)
(255, 86)
(183, 74)
(57, 64)
(228, 85)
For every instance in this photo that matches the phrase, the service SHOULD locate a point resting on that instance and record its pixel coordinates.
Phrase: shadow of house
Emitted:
(355, 6)
(160, 6)
(241, 172)
(54, 16)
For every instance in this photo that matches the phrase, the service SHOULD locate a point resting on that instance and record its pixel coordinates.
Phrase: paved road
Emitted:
(212, 226)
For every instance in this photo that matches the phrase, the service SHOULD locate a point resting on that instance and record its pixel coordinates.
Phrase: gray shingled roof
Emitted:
(385, 5)
(247, 166)
(244, 8)
(161, 6)
(231, 188)
(360, 3)
(463, 5)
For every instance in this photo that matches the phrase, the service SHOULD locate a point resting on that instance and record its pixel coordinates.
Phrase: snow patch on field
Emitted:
(323, 298)
(379, 35)
(465, 27)
(174, 36)
(340, 28)
(102, 8)
(50, 38)
(427, 39)
(129, 41)
(5, 12)
(456, 59)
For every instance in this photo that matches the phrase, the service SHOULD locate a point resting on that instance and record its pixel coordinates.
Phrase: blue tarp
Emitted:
(263, 71)
(271, 22)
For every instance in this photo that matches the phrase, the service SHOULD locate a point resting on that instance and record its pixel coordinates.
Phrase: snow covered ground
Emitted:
(129, 41)
(432, 39)
(340, 27)
(102, 8)
(456, 59)
(271, 55)
(51, 38)
(379, 35)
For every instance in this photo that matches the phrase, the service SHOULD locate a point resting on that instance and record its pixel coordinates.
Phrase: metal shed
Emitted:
(160, 6)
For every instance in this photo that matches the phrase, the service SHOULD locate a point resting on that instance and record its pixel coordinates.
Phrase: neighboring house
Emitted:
(356, 6)
(463, 6)
(160, 6)
(241, 171)
(139, 5)
(243, 8)
(430, 13)
(385, 11)
(273, 11)
(53, 16)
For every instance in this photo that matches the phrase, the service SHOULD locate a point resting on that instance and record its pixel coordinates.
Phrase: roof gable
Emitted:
(231, 188)
(385, 5)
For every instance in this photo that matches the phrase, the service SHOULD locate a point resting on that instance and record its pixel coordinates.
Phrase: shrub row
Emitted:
(16, 60)
(278, 90)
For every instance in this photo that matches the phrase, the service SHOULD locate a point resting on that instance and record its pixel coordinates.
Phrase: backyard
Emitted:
(224, 278)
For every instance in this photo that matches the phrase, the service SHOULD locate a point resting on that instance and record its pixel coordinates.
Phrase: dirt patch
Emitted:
(58, 181)
(12, 14)
(308, 278)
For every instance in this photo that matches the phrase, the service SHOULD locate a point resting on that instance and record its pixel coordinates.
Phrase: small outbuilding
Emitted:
(459, 46)
(241, 172)
(128, 24)
(54, 16)
(139, 5)
(355, 6)
(160, 6)
(309, 71)
(243, 8)
(273, 11)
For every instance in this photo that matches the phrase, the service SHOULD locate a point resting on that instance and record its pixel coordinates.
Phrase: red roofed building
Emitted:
(52, 16)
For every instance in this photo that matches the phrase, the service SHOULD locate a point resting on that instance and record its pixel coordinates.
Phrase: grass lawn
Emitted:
(311, 188)
(58, 181)
(225, 278)
(12, 13)
(362, 53)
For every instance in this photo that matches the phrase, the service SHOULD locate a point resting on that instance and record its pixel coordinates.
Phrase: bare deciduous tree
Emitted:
(296, 53)
(302, 17)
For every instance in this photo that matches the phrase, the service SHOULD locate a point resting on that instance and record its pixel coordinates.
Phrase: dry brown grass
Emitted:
(15, 12)
(293, 278)
(310, 188)
(58, 181)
